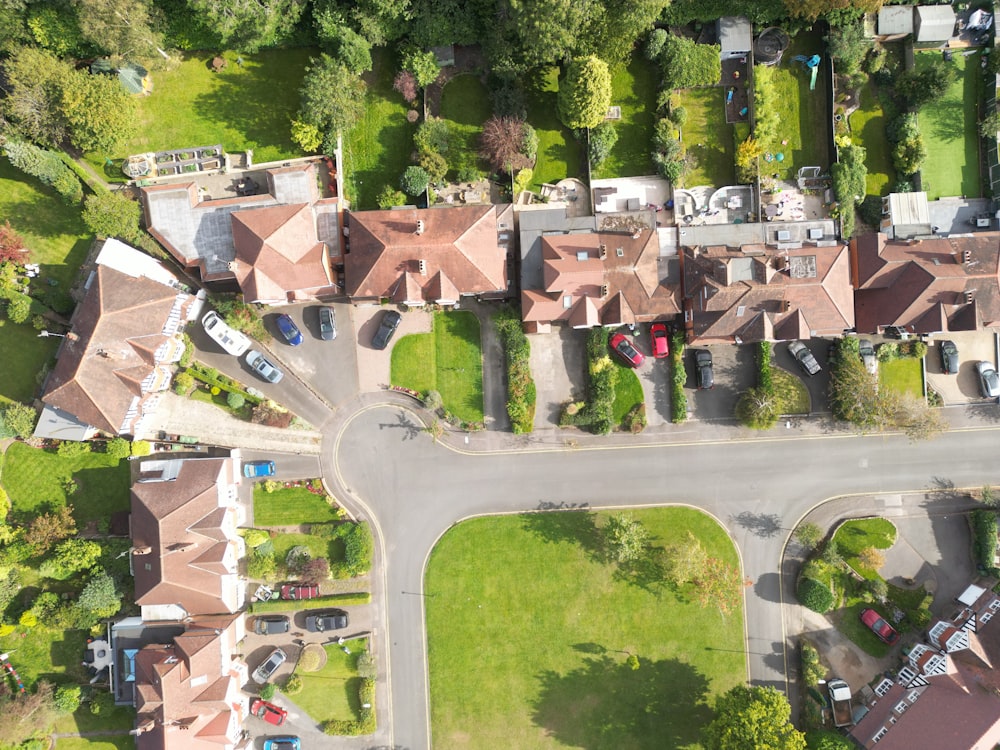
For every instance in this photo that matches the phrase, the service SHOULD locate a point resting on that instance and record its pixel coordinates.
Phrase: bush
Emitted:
(678, 376)
(758, 408)
(366, 666)
(18, 420)
(260, 566)
(359, 546)
(67, 698)
(254, 538)
(183, 381)
(293, 685)
(815, 595)
(635, 421)
(984, 537)
(18, 308)
(141, 448)
(235, 400)
(812, 670)
(71, 448)
(311, 659)
(118, 449)
(267, 691)
(390, 197)
(521, 392)
(602, 139)
(433, 136)
(686, 64)
(414, 181)
(654, 43)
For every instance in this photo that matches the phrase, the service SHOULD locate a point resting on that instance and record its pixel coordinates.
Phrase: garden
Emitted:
(633, 89)
(568, 675)
(559, 154)
(776, 393)
(465, 106)
(707, 137)
(334, 691)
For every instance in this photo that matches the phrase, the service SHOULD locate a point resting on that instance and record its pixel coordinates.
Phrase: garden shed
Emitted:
(895, 21)
(933, 23)
(133, 77)
(735, 37)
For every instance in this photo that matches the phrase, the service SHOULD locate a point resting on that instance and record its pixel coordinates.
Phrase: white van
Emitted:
(232, 341)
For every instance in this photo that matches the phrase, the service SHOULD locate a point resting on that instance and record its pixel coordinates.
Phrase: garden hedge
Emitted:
(814, 594)
(678, 376)
(521, 393)
(365, 723)
(320, 602)
(984, 536)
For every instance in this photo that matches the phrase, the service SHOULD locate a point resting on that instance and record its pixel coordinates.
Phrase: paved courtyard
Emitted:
(558, 365)
(973, 346)
(374, 366)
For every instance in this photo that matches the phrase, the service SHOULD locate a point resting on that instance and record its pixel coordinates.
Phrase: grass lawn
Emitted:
(633, 88)
(125, 742)
(241, 107)
(332, 692)
(868, 123)
(949, 128)
(902, 375)
(848, 622)
(628, 393)
(707, 137)
(559, 154)
(794, 396)
(529, 601)
(448, 360)
(465, 104)
(116, 717)
(34, 481)
(318, 546)
(377, 150)
(48, 654)
(854, 536)
(289, 506)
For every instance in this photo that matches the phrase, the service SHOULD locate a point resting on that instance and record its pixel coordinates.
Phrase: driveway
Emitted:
(558, 365)
(973, 347)
(374, 365)
(819, 384)
(734, 373)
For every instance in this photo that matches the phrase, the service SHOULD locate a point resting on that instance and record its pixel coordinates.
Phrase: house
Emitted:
(933, 24)
(186, 551)
(763, 293)
(946, 693)
(119, 354)
(429, 256)
(895, 22)
(277, 246)
(187, 691)
(735, 36)
(926, 285)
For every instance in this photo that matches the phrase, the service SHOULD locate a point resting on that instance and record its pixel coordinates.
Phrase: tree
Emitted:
(752, 717)
(33, 104)
(625, 539)
(823, 739)
(18, 420)
(846, 43)
(585, 93)
(759, 408)
(376, 21)
(55, 27)
(848, 177)
(433, 134)
(316, 569)
(719, 583)
(112, 214)
(18, 308)
(249, 26)
(100, 114)
(684, 561)
(602, 139)
(406, 84)
(118, 448)
(414, 181)
(261, 565)
(50, 528)
(307, 136)
(530, 33)
(747, 154)
(434, 164)
(612, 29)
(67, 698)
(989, 126)
(502, 144)
(353, 50)
(917, 419)
(423, 66)
(12, 246)
(235, 400)
(920, 86)
(100, 597)
(854, 394)
(988, 497)
(808, 535)
(120, 28)
(871, 557)
(69, 558)
(908, 156)
(390, 197)
(686, 64)
(333, 98)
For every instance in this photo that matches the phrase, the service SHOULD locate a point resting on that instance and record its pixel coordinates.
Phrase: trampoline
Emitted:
(770, 45)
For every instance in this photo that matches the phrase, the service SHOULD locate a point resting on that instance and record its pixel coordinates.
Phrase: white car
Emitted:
(231, 340)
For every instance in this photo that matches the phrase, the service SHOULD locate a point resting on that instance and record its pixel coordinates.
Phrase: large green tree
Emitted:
(686, 64)
(333, 98)
(614, 26)
(625, 538)
(119, 27)
(249, 24)
(33, 105)
(377, 21)
(752, 717)
(585, 93)
(100, 114)
(112, 214)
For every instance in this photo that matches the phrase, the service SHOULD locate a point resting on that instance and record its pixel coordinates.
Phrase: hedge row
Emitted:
(764, 365)
(521, 393)
(597, 414)
(365, 723)
(814, 594)
(984, 536)
(678, 399)
(211, 376)
(320, 602)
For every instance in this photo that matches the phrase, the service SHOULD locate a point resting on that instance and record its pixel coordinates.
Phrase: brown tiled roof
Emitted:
(462, 242)
(103, 361)
(611, 278)
(180, 538)
(925, 285)
(757, 293)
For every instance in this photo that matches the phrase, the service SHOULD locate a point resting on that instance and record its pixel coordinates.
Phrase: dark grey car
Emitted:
(867, 352)
(388, 325)
(804, 357)
(327, 324)
(706, 373)
(335, 619)
(949, 357)
(271, 625)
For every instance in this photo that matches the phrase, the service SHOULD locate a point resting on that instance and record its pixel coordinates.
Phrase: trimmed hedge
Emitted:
(320, 602)
(597, 414)
(814, 594)
(365, 723)
(678, 376)
(210, 376)
(984, 537)
(521, 393)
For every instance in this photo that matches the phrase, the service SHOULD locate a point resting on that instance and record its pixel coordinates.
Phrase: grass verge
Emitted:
(902, 375)
(633, 88)
(125, 742)
(289, 506)
(465, 104)
(557, 666)
(628, 393)
(559, 153)
(320, 602)
(854, 536)
(332, 692)
(707, 137)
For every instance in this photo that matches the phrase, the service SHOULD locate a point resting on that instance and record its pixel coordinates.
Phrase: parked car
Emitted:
(299, 591)
(624, 348)
(335, 619)
(706, 372)
(269, 712)
(231, 340)
(269, 666)
(804, 357)
(386, 327)
(879, 626)
(661, 340)
(989, 381)
(327, 324)
(282, 743)
(271, 625)
(263, 367)
(289, 330)
(949, 357)
(254, 469)
(867, 352)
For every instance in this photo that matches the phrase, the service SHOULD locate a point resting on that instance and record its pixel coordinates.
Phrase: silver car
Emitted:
(989, 381)
(804, 357)
(260, 365)
(867, 352)
(263, 673)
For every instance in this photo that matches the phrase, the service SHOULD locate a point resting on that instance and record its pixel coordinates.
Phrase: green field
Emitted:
(465, 104)
(902, 375)
(332, 692)
(289, 506)
(242, 107)
(377, 150)
(633, 88)
(707, 137)
(950, 132)
(559, 153)
(529, 631)
(125, 742)
(448, 360)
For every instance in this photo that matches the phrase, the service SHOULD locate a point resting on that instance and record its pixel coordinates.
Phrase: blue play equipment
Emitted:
(729, 95)
(811, 64)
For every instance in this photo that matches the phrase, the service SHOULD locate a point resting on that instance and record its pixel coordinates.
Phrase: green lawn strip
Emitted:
(633, 88)
(902, 375)
(248, 106)
(949, 129)
(868, 123)
(465, 103)
(320, 602)
(115, 717)
(707, 137)
(332, 692)
(794, 395)
(857, 535)
(46, 654)
(628, 393)
(559, 154)
(555, 645)
(27, 355)
(289, 506)
(34, 481)
(412, 365)
(848, 622)
(220, 400)
(377, 150)
(125, 742)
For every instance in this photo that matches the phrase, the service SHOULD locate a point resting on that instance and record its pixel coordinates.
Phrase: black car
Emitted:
(335, 619)
(703, 364)
(327, 324)
(804, 357)
(949, 357)
(390, 322)
(271, 625)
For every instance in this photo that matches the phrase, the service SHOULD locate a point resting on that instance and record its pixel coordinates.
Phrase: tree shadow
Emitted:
(574, 527)
(410, 428)
(647, 573)
(763, 525)
(605, 703)
(949, 120)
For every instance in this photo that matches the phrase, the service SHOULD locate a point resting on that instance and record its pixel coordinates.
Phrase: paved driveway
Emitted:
(558, 365)
(973, 346)
(819, 384)
(734, 373)
(374, 365)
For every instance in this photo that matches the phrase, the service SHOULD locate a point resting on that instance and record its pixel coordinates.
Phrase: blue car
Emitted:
(254, 469)
(289, 330)
(282, 743)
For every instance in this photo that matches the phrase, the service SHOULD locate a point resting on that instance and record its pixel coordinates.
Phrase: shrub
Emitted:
(18, 420)
(686, 64)
(433, 136)
(814, 594)
(310, 660)
(654, 43)
(359, 545)
(812, 670)
(254, 538)
(406, 84)
(984, 537)
(141, 448)
(71, 448)
(678, 376)
(635, 420)
(118, 448)
(183, 382)
(260, 566)
(267, 691)
(67, 698)
(18, 308)
(758, 408)
(235, 400)
(366, 665)
(602, 139)
(390, 197)
(293, 685)
(414, 180)
(432, 400)
(521, 392)
(434, 164)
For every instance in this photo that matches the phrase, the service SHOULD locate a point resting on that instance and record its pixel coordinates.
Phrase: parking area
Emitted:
(374, 365)
(558, 366)
(734, 373)
(819, 384)
(973, 347)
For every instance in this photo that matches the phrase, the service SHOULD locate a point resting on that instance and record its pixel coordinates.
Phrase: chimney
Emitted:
(966, 256)
(968, 296)
(72, 336)
(604, 251)
(232, 266)
(420, 226)
(786, 305)
(604, 290)
(143, 550)
(422, 265)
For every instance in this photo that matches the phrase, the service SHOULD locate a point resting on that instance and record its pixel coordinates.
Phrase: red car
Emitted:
(299, 591)
(661, 346)
(269, 712)
(626, 350)
(879, 626)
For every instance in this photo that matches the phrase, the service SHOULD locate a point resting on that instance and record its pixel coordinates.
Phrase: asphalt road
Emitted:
(758, 489)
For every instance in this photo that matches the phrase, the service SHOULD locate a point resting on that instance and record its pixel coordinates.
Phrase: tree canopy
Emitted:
(585, 93)
(249, 24)
(333, 98)
(123, 28)
(686, 64)
(752, 716)
(100, 114)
